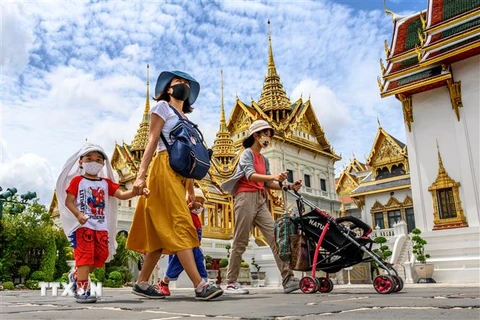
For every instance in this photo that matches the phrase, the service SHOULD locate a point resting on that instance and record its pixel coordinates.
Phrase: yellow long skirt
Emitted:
(163, 220)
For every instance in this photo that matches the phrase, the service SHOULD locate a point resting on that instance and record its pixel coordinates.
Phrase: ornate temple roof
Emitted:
(223, 149)
(425, 43)
(140, 140)
(273, 96)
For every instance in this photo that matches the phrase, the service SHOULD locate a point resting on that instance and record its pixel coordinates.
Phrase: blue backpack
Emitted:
(189, 156)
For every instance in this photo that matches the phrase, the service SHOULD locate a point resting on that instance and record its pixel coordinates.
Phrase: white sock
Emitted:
(200, 286)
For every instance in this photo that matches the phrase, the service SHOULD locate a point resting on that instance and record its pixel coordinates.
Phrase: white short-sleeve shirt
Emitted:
(164, 111)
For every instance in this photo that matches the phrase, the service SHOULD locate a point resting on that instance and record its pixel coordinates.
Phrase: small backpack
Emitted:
(189, 156)
(284, 228)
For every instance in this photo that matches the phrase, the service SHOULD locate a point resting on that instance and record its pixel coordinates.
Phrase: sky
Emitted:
(72, 71)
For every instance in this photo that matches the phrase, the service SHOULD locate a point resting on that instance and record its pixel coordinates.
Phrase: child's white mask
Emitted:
(198, 211)
(92, 168)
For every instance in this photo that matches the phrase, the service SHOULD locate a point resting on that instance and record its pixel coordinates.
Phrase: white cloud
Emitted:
(83, 68)
(17, 39)
(29, 172)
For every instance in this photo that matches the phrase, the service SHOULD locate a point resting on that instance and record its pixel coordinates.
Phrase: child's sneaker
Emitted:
(236, 288)
(150, 292)
(71, 279)
(208, 292)
(163, 288)
(85, 298)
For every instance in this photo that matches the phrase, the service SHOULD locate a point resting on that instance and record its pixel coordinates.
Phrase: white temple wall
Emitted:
(435, 121)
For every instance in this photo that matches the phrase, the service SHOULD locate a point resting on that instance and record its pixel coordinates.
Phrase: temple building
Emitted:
(432, 68)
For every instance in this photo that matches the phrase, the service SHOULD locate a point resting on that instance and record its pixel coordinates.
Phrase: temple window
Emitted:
(307, 180)
(323, 184)
(446, 204)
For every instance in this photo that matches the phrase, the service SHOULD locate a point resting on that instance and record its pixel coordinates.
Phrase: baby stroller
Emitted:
(324, 243)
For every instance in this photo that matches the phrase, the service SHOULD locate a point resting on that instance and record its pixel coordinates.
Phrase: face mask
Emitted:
(265, 141)
(92, 168)
(198, 211)
(181, 91)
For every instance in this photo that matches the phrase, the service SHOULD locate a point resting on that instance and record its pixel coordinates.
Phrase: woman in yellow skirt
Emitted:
(162, 223)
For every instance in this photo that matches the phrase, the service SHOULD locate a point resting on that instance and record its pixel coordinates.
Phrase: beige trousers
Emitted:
(251, 210)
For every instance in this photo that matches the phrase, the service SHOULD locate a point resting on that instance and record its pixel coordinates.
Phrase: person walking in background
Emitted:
(248, 186)
(162, 224)
(89, 213)
(174, 268)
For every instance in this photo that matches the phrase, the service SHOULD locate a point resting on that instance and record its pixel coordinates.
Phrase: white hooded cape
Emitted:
(69, 171)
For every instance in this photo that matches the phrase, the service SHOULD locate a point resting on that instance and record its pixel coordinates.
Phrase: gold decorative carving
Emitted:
(424, 22)
(455, 96)
(419, 52)
(444, 184)
(380, 84)
(387, 49)
(377, 206)
(407, 110)
(421, 36)
(382, 67)
(388, 11)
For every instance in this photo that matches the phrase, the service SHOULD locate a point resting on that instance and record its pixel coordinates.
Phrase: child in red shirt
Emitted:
(87, 198)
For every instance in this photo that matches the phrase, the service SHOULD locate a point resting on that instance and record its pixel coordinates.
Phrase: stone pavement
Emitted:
(415, 301)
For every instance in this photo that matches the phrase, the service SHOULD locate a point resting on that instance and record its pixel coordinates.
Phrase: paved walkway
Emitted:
(415, 301)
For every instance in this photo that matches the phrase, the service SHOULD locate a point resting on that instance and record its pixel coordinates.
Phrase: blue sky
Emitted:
(77, 70)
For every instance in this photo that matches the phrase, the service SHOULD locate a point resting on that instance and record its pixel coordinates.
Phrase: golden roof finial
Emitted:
(223, 122)
(223, 149)
(271, 64)
(388, 11)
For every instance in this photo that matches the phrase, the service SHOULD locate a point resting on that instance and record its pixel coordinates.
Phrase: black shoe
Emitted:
(151, 292)
(85, 298)
(208, 292)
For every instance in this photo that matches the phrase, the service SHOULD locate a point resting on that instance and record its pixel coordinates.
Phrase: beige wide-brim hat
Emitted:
(259, 125)
(199, 194)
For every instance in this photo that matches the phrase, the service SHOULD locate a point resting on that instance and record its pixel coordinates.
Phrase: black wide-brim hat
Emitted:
(166, 76)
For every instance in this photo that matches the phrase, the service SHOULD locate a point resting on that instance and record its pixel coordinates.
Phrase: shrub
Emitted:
(24, 271)
(115, 275)
(418, 246)
(244, 264)
(255, 264)
(8, 285)
(383, 251)
(32, 284)
(208, 262)
(100, 273)
(223, 263)
(111, 283)
(93, 279)
(38, 276)
(47, 264)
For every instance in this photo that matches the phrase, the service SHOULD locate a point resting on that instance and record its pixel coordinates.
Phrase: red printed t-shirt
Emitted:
(91, 198)
(245, 185)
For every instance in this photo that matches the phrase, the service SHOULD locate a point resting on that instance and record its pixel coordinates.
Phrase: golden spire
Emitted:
(140, 140)
(441, 169)
(223, 149)
(273, 99)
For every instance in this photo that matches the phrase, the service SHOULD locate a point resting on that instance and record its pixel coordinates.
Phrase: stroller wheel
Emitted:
(398, 283)
(308, 285)
(325, 285)
(384, 284)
